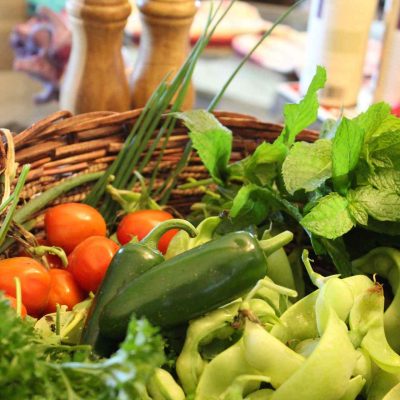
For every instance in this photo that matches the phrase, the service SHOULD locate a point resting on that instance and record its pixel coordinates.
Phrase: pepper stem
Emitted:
(57, 251)
(269, 246)
(153, 237)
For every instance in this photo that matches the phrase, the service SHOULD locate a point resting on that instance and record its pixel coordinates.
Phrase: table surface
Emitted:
(253, 91)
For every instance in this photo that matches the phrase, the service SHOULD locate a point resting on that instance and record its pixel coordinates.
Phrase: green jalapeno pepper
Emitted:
(129, 262)
(192, 283)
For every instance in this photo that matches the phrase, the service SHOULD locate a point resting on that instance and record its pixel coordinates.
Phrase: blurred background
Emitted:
(35, 44)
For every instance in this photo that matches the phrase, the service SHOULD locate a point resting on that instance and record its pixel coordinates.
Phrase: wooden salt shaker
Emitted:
(164, 46)
(95, 78)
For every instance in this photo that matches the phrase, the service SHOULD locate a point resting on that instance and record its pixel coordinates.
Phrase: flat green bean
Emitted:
(190, 364)
(306, 347)
(219, 374)
(394, 393)
(237, 387)
(298, 322)
(326, 373)
(367, 329)
(385, 261)
(162, 386)
(262, 394)
(382, 383)
(354, 388)
(266, 354)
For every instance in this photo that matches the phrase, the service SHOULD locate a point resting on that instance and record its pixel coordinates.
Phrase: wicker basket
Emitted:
(62, 145)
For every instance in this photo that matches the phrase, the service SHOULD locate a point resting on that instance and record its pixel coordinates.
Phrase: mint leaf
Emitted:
(372, 119)
(346, 150)
(390, 124)
(384, 150)
(251, 203)
(385, 179)
(212, 141)
(330, 218)
(357, 209)
(362, 173)
(383, 205)
(300, 116)
(262, 166)
(307, 165)
(254, 203)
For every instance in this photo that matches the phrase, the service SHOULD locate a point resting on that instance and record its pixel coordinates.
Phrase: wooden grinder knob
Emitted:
(95, 78)
(164, 46)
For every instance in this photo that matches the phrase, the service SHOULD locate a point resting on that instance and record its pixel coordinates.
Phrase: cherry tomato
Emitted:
(69, 224)
(140, 223)
(34, 278)
(13, 304)
(89, 261)
(64, 290)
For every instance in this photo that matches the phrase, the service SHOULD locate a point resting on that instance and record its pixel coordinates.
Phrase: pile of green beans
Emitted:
(337, 343)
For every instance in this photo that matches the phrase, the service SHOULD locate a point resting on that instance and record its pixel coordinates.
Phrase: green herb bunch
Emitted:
(349, 178)
(30, 368)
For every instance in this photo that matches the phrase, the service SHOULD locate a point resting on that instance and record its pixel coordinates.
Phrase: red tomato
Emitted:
(64, 290)
(34, 278)
(140, 223)
(69, 224)
(13, 304)
(89, 261)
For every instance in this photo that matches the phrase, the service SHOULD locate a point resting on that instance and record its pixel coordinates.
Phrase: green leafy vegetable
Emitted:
(212, 141)
(307, 165)
(262, 166)
(385, 179)
(374, 118)
(252, 203)
(31, 368)
(346, 150)
(383, 205)
(384, 150)
(300, 116)
(330, 218)
(378, 119)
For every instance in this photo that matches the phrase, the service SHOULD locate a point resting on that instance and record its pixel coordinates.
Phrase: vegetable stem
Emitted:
(11, 211)
(18, 295)
(39, 202)
(269, 246)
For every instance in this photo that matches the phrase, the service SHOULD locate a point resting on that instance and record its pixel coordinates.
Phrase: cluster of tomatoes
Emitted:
(80, 231)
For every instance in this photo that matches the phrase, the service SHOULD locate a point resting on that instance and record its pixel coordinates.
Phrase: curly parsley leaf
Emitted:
(30, 368)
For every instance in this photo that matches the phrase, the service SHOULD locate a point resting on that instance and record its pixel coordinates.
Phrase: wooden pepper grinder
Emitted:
(95, 78)
(164, 46)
